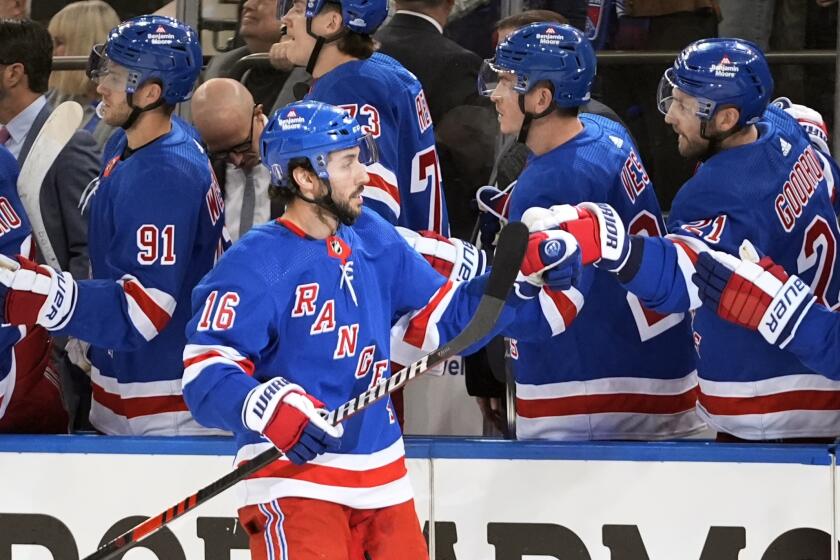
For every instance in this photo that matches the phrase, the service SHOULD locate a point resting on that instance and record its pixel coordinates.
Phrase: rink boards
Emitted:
(60, 496)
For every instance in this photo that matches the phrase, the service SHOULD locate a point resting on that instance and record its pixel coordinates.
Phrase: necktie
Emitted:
(249, 199)
(4, 135)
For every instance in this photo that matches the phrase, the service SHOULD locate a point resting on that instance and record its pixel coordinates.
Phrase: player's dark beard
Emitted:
(342, 211)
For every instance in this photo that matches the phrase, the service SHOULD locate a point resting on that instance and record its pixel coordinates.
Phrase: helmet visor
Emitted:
(368, 150)
(104, 71)
(665, 91)
(492, 78)
(666, 99)
(368, 155)
(286, 7)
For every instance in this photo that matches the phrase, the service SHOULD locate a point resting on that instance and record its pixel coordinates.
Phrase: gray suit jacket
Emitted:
(76, 166)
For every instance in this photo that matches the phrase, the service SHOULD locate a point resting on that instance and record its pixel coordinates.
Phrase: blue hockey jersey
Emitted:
(155, 228)
(406, 186)
(620, 371)
(319, 313)
(776, 192)
(15, 239)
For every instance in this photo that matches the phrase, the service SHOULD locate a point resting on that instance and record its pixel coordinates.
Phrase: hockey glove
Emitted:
(810, 120)
(291, 419)
(552, 259)
(34, 294)
(493, 212)
(758, 296)
(597, 228)
(453, 258)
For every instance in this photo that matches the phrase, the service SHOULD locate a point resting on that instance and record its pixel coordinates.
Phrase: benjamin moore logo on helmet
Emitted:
(291, 121)
(549, 37)
(724, 68)
(161, 36)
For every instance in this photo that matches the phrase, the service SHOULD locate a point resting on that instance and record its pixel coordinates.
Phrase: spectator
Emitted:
(12, 9)
(259, 29)
(464, 122)
(30, 399)
(75, 29)
(230, 124)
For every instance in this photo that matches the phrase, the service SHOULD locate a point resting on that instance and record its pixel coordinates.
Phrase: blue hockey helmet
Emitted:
(359, 16)
(311, 130)
(720, 73)
(151, 48)
(552, 52)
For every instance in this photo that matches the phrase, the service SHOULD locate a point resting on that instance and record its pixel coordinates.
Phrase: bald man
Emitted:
(230, 123)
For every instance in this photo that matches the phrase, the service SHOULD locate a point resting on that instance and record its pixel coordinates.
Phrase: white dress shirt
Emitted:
(19, 126)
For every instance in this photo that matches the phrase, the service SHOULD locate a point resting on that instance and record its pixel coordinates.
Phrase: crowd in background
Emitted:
(442, 42)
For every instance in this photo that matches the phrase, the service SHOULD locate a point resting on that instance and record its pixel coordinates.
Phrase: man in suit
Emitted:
(230, 124)
(25, 65)
(465, 126)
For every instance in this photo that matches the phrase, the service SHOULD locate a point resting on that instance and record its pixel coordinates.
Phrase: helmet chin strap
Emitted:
(327, 203)
(319, 43)
(136, 111)
(716, 140)
(529, 117)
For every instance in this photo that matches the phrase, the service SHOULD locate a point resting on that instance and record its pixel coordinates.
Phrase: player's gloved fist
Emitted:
(552, 259)
(453, 258)
(756, 295)
(493, 212)
(34, 294)
(291, 419)
(810, 120)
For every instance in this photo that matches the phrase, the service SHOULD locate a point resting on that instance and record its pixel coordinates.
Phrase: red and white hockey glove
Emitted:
(756, 295)
(453, 258)
(597, 228)
(291, 419)
(552, 259)
(34, 294)
(810, 120)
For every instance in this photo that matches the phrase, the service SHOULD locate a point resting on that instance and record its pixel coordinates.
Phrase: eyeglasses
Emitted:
(240, 148)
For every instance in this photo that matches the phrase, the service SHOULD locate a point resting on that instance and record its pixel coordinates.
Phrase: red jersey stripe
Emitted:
(416, 332)
(332, 476)
(156, 314)
(765, 404)
(615, 402)
(246, 364)
(133, 407)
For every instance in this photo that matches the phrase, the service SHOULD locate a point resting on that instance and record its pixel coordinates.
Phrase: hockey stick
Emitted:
(511, 249)
(53, 136)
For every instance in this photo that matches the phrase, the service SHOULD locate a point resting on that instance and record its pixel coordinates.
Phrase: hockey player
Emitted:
(761, 180)
(644, 386)
(296, 317)
(30, 400)
(333, 41)
(156, 219)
